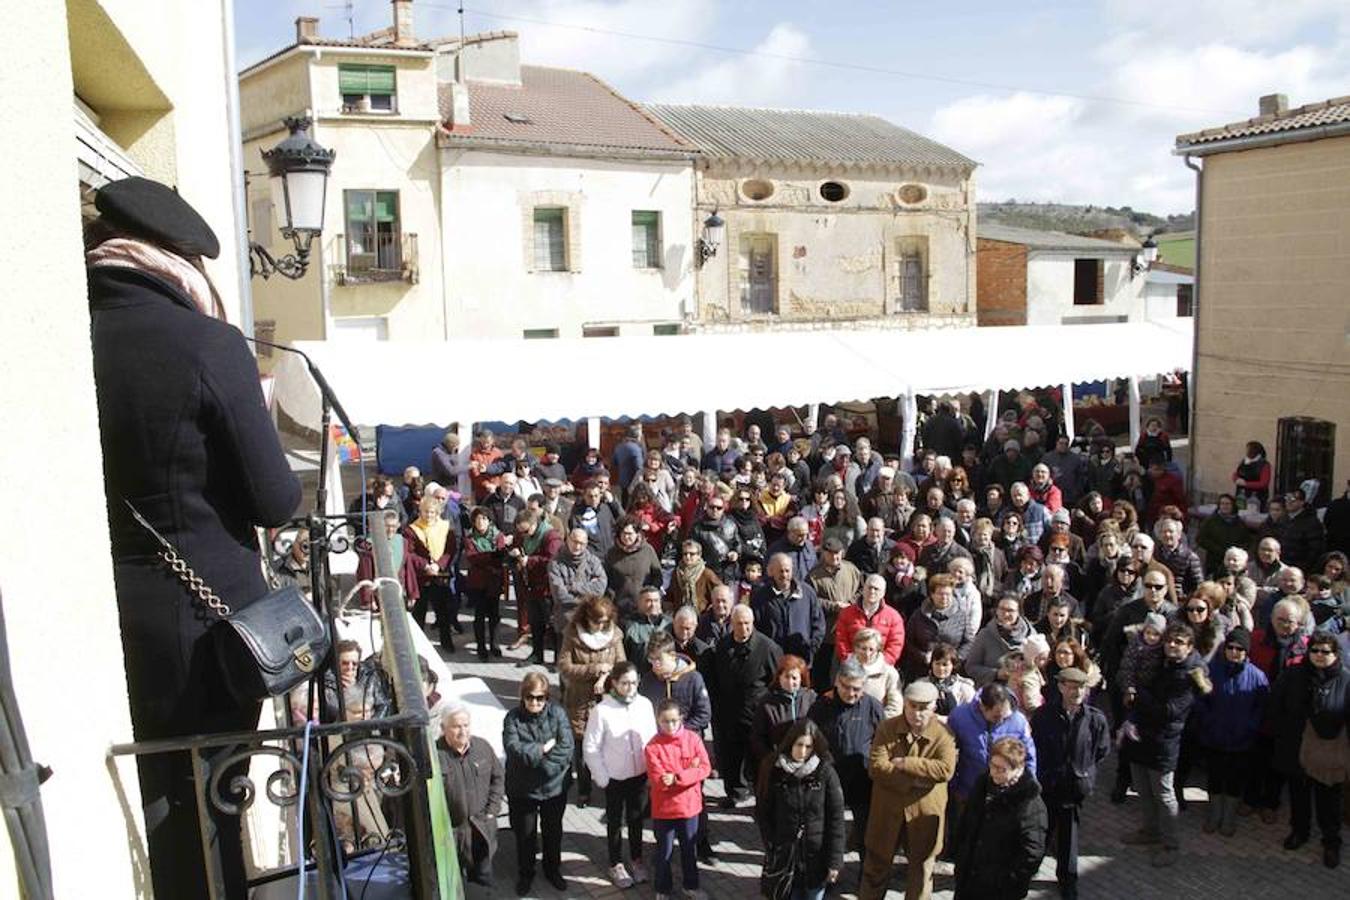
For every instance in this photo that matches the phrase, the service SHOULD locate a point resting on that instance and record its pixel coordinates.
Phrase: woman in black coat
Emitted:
(800, 814)
(1310, 703)
(1000, 840)
(187, 440)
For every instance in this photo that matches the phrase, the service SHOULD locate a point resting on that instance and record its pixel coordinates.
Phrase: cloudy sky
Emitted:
(1069, 100)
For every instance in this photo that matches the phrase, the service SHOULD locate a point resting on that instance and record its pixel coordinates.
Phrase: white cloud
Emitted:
(764, 77)
(1241, 22)
(576, 36)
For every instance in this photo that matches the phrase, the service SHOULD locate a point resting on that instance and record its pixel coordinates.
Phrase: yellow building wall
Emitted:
(1274, 304)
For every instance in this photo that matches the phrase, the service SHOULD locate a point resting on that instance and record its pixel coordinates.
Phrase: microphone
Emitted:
(324, 387)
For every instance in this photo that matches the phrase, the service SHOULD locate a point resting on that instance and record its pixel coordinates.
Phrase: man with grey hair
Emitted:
(574, 573)
(1289, 584)
(871, 552)
(965, 520)
(1173, 552)
(474, 786)
(1035, 517)
(744, 664)
(796, 544)
(869, 466)
(937, 555)
(1141, 549)
(684, 628)
(848, 717)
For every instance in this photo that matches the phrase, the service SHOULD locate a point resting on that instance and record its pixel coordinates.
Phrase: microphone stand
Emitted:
(316, 522)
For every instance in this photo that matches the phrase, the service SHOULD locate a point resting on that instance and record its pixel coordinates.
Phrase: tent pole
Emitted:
(1066, 391)
(709, 429)
(812, 418)
(464, 429)
(910, 412)
(593, 432)
(1134, 411)
(990, 411)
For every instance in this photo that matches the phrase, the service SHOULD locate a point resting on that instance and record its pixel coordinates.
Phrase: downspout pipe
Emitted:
(237, 168)
(1196, 312)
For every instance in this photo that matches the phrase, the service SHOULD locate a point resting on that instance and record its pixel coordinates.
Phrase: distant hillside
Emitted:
(1080, 219)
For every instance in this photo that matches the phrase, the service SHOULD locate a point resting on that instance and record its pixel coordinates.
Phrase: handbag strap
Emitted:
(180, 568)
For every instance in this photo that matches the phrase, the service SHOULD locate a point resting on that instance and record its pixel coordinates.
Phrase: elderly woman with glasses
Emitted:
(1309, 709)
(538, 742)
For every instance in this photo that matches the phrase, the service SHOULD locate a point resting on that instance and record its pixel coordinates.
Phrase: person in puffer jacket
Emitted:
(538, 743)
(677, 766)
(787, 701)
(800, 814)
(1230, 718)
(614, 747)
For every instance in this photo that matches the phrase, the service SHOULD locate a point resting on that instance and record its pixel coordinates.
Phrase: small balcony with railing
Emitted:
(380, 258)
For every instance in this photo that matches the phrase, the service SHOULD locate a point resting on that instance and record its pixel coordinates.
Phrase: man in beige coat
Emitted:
(913, 757)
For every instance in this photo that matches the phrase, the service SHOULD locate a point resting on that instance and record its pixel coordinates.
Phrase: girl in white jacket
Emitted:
(617, 732)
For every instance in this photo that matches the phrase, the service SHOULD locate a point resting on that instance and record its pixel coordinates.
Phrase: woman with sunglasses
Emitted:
(538, 742)
(1309, 708)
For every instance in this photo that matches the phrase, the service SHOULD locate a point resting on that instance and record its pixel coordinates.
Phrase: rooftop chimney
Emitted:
(306, 28)
(1274, 104)
(403, 23)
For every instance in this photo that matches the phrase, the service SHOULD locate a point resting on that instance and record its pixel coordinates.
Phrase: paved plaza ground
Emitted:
(1251, 864)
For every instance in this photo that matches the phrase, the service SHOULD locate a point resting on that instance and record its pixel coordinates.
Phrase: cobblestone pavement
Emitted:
(1252, 864)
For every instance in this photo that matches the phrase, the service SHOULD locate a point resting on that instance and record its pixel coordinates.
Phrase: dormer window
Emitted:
(367, 89)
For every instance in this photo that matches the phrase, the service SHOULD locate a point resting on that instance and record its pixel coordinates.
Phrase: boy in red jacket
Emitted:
(677, 764)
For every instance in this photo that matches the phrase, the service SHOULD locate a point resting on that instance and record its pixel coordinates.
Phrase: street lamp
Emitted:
(297, 170)
(714, 229)
(1147, 256)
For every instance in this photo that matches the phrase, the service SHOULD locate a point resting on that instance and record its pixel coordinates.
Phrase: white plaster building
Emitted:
(832, 220)
(471, 195)
(1030, 277)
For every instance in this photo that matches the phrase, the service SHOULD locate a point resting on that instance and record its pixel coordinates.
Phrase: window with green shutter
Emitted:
(373, 237)
(550, 239)
(367, 88)
(646, 239)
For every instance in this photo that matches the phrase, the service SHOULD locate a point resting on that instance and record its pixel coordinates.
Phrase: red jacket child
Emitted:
(683, 755)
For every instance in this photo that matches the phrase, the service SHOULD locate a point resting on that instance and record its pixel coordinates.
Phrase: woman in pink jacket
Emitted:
(677, 764)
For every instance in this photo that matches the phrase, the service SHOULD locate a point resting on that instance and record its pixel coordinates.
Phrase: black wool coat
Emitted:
(1000, 840)
(187, 439)
(801, 820)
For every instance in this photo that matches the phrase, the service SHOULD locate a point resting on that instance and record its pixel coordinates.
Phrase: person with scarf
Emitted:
(614, 744)
(1251, 478)
(532, 547)
(401, 559)
(996, 639)
(800, 814)
(787, 701)
(591, 646)
(538, 746)
(484, 555)
(431, 543)
(692, 583)
(574, 574)
(1000, 839)
(1308, 712)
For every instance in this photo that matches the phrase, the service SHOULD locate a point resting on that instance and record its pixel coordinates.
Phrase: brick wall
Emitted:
(1000, 283)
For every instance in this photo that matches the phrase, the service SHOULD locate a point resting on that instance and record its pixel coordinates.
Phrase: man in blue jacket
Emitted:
(628, 457)
(788, 611)
(1072, 738)
(976, 725)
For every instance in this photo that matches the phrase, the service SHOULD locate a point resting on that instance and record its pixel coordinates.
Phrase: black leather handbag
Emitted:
(265, 648)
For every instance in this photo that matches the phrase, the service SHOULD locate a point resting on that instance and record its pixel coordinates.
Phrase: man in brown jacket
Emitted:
(913, 757)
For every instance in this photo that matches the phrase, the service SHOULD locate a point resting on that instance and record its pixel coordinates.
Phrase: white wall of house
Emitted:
(492, 289)
(1160, 301)
(1050, 289)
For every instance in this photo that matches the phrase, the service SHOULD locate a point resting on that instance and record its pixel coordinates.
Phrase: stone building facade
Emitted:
(831, 220)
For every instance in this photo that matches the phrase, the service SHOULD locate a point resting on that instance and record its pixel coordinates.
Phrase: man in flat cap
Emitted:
(1072, 738)
(913, 757)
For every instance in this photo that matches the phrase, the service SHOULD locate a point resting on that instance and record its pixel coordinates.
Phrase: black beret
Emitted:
(150, 210)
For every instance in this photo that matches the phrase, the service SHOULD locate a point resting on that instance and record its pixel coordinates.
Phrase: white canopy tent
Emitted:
(587, 378)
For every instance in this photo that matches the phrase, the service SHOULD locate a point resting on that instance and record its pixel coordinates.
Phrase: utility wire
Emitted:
(831, 64)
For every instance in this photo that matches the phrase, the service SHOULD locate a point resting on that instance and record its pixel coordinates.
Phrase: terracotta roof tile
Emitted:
(560, 106)
(1327, 112)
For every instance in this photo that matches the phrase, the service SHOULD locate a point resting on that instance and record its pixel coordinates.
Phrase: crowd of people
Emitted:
(932, 659)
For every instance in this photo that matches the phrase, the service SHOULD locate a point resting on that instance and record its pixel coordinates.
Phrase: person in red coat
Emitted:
(404, 568)
(1043, 488)
(871, 611)
(431, 544)
(533, 546)
(1165, 489)
(677, 766)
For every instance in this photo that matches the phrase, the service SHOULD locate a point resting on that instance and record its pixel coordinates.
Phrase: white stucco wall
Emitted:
(488, 200)
(1050, 289)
